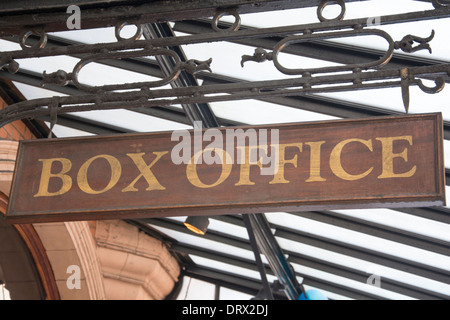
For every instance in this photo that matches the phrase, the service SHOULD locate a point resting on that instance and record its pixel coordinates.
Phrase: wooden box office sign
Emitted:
(375, 162)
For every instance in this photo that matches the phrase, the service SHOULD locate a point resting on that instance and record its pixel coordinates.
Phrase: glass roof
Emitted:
(336, 252)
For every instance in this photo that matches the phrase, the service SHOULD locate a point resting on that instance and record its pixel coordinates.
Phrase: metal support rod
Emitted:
(275, 256)
(256, 223)
(259, 263)
(196, 112)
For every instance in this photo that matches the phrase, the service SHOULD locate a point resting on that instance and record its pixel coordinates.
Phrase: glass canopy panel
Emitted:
(255, 112)
(391, 99)
(344, 282)
(358, 239)
(67, 132)
(194, 289)
(242, 272)
(227, 294)
(357, 9)
(402, 221)
(207, 244)
(364, 267)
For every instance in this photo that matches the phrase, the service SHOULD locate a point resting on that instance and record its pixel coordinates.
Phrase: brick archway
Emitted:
(116, 259)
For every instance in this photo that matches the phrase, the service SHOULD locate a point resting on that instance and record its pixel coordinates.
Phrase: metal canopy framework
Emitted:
(356, 254)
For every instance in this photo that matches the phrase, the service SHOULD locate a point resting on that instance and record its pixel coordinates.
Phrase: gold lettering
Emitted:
(335, 160)
(389, 156)
(192, 174)
(244, 178)
(314, 171)
(46, 175)
(153, 183)
(282, 161)
(116, 171)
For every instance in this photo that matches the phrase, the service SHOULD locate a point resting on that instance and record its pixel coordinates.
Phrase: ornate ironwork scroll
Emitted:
(301, 81)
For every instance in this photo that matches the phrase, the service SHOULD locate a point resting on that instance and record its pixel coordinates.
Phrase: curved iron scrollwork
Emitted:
(136, 36)
(26, 34)
(347, 77)
(262, 55)
(412, 76)
(440, 3)
(407, 43)
(221, 13)
(123, 55)
(259, 56)
(439, 86)
(62, 78)
(333, 35)
(326, 3)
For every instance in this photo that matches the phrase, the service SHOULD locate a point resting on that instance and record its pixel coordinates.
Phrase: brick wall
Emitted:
(16, 130)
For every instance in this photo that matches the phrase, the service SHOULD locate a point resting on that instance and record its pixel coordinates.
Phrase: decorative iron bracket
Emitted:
(370, 75)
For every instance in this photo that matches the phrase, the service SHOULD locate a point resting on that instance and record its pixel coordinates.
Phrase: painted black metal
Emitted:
(103, 97)
(203, 113)
(276, 257)
(304, 260)
(251, 234)
(195, 111)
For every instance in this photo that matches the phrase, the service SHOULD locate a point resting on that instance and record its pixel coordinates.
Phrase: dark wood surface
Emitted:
(369, 172)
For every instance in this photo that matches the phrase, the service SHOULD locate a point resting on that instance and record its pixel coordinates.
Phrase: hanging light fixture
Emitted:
(198, 225)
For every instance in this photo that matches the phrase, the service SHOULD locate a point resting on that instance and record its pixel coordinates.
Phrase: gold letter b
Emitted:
(46, 175)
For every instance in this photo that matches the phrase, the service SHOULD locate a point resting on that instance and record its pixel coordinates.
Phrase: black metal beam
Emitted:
(51, 14)
(385, 283)
(164, 112)
(319, 49)
(196, 112)
(378, 258)
(376, 229)
(439, 214)
(397, 235)
(314, 103)
(297, 257)
(245, 285)
(255, 248)
(320, 104)
(228, 280)
(87, 125)
(252, 286)
(218, 256)
(385, 232)
(203, 113)
(167, 7)
(210, 235)
(275, 256)
(140, 65)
